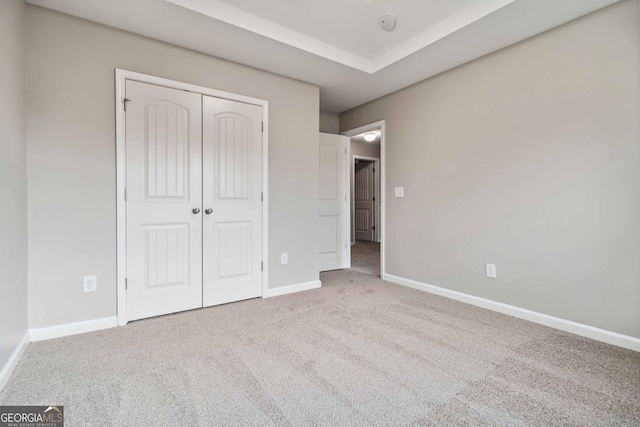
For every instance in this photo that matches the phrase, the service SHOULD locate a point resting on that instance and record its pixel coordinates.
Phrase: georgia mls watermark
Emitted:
(31, 416)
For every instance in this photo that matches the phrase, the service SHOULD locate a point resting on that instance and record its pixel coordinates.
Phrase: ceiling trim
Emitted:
(234, 16)
(442, 29)
(223, 12)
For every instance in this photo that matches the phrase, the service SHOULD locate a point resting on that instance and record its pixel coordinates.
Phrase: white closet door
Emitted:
(232, 179)
(164, 196)
(333, 202)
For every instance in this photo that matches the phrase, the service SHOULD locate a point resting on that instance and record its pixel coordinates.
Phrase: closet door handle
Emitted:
(208, 211)
(196, 210)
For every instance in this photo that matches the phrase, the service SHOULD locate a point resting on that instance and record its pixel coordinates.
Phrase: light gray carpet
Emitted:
(357, 352)
(365, 257)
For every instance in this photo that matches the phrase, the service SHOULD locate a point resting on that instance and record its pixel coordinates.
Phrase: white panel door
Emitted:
(232, 165)
(364, 200)
(333, 202)
(164, 198)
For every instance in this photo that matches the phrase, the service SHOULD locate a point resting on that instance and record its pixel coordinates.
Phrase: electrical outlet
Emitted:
(491, 271)
(284, 259)
(399, 191)
(90, 283)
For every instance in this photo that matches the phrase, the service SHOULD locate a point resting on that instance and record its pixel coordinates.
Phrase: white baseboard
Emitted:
(598, 334)
(67, 329)
(274, 292)
(11, 364)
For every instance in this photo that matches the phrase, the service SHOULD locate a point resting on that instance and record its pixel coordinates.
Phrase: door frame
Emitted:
(121, 77)
(379, 125)
(376, 205)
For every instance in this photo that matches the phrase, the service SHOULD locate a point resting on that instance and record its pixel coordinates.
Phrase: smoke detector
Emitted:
(388, 22)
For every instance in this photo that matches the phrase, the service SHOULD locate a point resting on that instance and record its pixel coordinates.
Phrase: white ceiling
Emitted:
(336, 44)
(349, 31)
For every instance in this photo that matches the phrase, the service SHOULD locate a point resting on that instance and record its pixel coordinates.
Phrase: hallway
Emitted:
(365, 257)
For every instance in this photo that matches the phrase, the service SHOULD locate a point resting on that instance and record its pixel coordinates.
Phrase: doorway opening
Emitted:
(366, 198)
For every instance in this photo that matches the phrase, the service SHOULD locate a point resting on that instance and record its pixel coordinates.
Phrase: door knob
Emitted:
(208, 211)
(196, 210)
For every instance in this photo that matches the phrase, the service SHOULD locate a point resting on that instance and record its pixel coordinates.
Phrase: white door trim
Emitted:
(376, 205)
(357, 131)
(121, 214)
(609, 337)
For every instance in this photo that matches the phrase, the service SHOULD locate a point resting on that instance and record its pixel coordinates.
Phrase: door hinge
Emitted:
(126, 283)
(125, 103)
(125, 194)
(262, 126)
(262, 266)
(373, 228)
(262, 197)
(373, 199)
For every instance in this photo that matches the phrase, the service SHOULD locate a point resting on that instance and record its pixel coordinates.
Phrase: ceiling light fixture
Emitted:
(369, 137)
(388, 22)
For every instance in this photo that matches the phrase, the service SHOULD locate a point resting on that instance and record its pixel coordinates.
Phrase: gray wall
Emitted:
(528, 158)
(13, 178)
(72, 168)
(329, 122)
(359, 149)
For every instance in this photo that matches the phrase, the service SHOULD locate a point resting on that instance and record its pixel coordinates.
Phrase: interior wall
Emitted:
(13, 178)
(329, 122)
(72, 165)
(359, 149)
(528, 158)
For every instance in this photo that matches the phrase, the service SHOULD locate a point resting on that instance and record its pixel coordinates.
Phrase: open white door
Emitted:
(232, 165)
(333, 217)
(164, 198)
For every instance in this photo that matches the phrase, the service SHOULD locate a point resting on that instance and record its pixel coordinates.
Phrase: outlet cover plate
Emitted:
(491, 271)
(90, 283)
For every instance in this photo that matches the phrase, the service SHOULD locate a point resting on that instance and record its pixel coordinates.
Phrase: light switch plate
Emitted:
(284, 259)
(399, 191)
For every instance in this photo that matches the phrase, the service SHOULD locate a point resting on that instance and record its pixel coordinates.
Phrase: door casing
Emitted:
(121, 77)
(379, 125)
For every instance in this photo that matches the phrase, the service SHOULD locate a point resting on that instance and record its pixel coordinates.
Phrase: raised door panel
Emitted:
(329, 234)
(167, 255)
(164, 185)
(363, 220)
(234, 154)
(328, 171)
(232, 159)
(233, 250)
(166, 151)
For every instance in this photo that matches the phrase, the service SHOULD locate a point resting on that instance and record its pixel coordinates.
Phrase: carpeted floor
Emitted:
(357, 352)
(365, 257)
